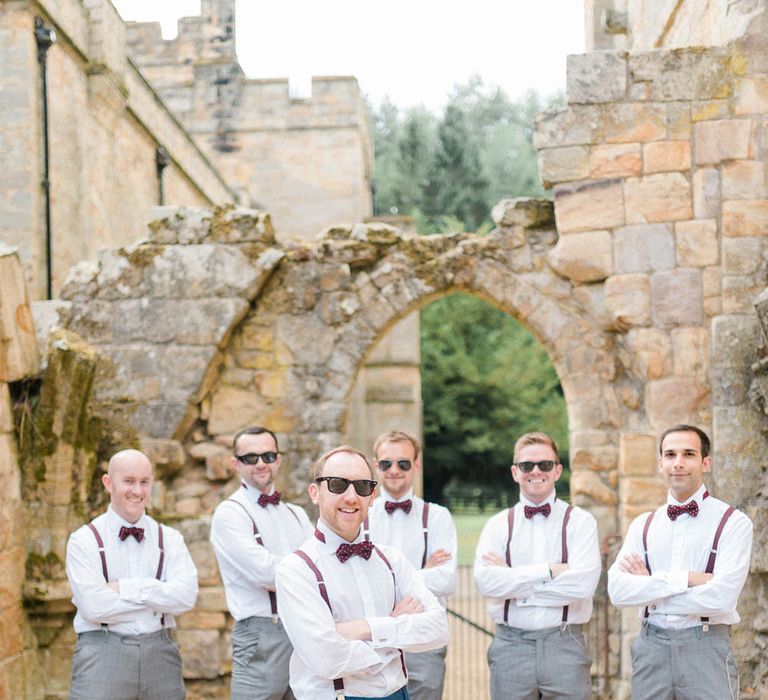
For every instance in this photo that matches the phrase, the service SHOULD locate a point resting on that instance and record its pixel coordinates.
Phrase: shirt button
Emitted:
(653, 607)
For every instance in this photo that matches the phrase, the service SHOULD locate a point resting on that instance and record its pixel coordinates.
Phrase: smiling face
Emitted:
(260, 476)
(681, 464)
(129, 482)
(537, 485)
(343, 513)
(396, 481)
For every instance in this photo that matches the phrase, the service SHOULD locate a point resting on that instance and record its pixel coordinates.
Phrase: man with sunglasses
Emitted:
(395, 519)
(350, 605)
(683, 565)
(538, 563)
(251, 532)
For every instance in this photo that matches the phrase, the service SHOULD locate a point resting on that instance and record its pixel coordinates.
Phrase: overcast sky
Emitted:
(415, 51)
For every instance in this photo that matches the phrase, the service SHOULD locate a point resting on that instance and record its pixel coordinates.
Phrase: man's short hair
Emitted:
(683, 428)
(319, 465)
(536, 439)
(397, 436)
(254, 430)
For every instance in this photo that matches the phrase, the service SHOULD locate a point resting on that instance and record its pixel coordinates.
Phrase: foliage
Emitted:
(485, 381)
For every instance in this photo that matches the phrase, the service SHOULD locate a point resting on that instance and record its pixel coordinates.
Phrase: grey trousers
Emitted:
(687, 664)
(109, 666)
(261, 652)
(532, 664)
(426, 674)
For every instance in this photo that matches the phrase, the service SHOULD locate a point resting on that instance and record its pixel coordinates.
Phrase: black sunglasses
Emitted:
(402, 464)
(338, 484)
(253, 457)
(546, 465)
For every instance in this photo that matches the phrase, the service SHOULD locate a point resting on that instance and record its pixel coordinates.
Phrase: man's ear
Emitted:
(313, 493)
(107, 482)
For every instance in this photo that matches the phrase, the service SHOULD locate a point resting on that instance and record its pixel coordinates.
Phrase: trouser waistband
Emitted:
(508, 632)
(160, 634)
(696, 632)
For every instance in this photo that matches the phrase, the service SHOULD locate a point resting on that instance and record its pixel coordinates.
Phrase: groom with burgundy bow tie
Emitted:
(538, 563)
(351, 605)
(395, 518)
(251, 532)
(684, 566)
(129, 576)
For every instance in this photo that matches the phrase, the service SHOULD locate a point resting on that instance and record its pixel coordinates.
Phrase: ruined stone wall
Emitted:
(105, 123)
(650, 24)
(659, 173)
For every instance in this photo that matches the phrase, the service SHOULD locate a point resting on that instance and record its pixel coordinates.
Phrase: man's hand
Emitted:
(439, 556)
(354, 630)
(634, 564)
(557, 569)
(494, 559)
(696, 578)
(114, 585)
(407, 606)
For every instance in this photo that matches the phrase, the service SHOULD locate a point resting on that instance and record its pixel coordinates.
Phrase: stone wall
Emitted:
(651, 24)
(659, 172)
(105, 123)
(308, 161)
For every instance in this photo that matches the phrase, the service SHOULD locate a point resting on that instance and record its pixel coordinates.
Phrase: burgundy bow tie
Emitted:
(692, 508)
(530, 511)
(265, 500)
(362, 549)
(392, 506)
(125, 532)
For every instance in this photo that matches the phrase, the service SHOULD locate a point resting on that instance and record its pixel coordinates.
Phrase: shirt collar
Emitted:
(116, 522)
(698, 496)
(332, 540)
(549, 499)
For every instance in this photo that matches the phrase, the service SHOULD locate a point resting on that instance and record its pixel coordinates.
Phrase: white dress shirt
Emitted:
(357, 589)
(404, 531)
(536, 599)
(674, 549)
(142, 600)
(247, 567)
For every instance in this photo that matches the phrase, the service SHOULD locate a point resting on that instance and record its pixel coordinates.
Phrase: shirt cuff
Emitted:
(678, 580)
(383, 631)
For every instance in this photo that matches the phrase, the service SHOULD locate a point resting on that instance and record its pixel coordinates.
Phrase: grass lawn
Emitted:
(468, 527)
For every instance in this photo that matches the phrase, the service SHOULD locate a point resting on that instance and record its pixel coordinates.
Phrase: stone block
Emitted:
(589, 484)
(734, 339)
(589, 206)
(681, 74)
(651, 351)
(634, 123)
(677, 298)
(627, 514)
(666, 156)
(661, 197)
(742, 256)
(574, 126)
(615, 160)
(18, 350)
(583, 257)
(751, 96)
(675, 400)
(596, 77)
(638, 491)
(759, 516)
(598, 459)
(644, 248)
(743, 179)
(211, 598)
(566, 164)
(628, 300)
(721, 139)
(696, 243)
(6, 415)
(218, 467)
(637, 454)
(691, 352)
(200, 650)
(678, 120)
(202, 620)
(706, 193)
(748, 217)
(709, 110)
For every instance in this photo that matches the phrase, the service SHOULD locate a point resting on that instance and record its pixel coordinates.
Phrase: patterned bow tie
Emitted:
(392, 506)
(362, 549)
(265, 500)
(692, 508)
(125, 532)
(530, 511)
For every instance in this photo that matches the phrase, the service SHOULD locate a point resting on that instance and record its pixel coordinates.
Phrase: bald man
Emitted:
(129, 576)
